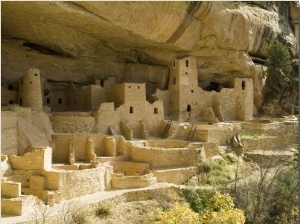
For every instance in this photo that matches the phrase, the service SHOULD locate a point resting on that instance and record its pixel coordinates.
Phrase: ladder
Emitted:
(191, 133)
(164, 134)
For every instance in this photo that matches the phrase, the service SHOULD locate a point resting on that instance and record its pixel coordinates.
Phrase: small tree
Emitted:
(279, 66)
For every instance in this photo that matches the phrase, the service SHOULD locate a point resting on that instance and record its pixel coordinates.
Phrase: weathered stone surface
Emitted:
(73, 41)
(29, 136)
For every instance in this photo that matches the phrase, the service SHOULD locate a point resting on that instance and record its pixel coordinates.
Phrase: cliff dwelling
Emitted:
(123, 109)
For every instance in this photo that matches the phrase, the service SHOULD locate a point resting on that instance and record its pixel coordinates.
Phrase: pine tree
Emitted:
(279, 66)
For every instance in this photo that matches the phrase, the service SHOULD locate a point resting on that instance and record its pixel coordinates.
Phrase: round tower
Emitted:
(30, 91)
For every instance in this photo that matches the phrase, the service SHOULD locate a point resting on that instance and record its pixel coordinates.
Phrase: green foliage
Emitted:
(230, 158)
(279, 66)
(103, 211)
(283, 208)
(219, 210)
(79, 217)
(180, 213)
(272, 197)
(197, 198)
(213, 173)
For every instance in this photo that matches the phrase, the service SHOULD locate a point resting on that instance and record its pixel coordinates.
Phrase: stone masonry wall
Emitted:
(130, 168)
(72, 124)
(8, 96)
(75, 183)
(8, 133)
(62, 142)
(37, 159)
(165, 158)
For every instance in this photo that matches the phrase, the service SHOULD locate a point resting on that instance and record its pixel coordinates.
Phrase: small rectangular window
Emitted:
(186, 63)
(102, 83)
(192, 91)
(11, 102)
(59, 101)
(20, 101)
(131, 110)
(243, 85)
(174, 81)
(156, 110)
(48, 100)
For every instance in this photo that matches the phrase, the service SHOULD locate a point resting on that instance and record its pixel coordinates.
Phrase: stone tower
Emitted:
(30, 91)
(183, 79)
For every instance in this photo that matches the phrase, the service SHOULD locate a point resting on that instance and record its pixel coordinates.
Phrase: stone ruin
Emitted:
(65, 144)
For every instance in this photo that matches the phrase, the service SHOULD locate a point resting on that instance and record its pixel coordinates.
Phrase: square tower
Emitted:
(182, 83)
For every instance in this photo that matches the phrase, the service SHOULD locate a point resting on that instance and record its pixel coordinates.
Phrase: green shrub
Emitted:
(279, 64)
(79, 217)
(212, 173)
(219, 210)
(197, 198)
(103, 211)
(271, 198)
(230, 158)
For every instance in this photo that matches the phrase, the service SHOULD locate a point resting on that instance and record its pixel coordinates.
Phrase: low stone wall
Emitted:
(62, 142)
(199, 135)
(119, 181)
(165, 158)
(38, 159)
(18, 206)
(166, 143)
(269, 142)
(267, 127)
(130, 168)
(72, 124)
(269, 158)
(175, 176)
(75, 183)
(211, 149)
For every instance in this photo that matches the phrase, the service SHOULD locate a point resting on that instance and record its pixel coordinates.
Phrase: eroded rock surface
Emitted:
(74, 41)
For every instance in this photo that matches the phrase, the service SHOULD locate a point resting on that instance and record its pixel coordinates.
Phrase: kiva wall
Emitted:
(165, 158)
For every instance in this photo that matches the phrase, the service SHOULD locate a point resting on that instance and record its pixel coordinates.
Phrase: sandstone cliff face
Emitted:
(136, 41)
